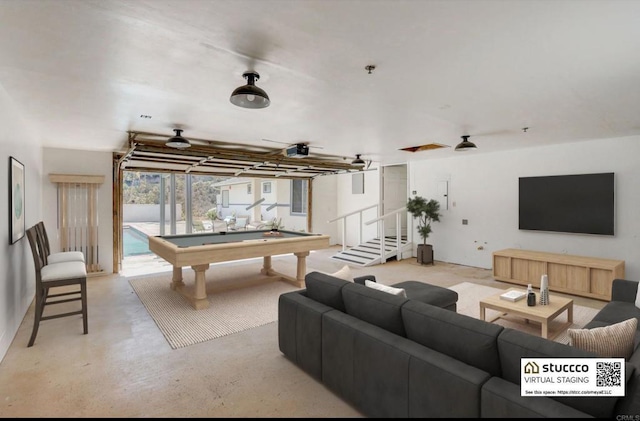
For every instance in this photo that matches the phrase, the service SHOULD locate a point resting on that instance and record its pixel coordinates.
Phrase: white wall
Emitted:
(324, 207)
(483, 188)
(349, 202)
(69, 161)
(17, 273)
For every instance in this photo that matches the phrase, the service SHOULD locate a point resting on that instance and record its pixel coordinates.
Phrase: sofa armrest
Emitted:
(361, 279)
(300, 330)
(624, 290)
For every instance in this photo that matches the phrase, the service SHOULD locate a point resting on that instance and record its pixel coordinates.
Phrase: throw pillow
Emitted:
(615, 341)
(344, 273)
(390, 290)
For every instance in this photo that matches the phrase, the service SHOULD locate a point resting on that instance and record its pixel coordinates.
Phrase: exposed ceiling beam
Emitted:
(147, 151)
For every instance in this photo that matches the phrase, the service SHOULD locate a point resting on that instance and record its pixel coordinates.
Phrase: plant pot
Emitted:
(425, 253)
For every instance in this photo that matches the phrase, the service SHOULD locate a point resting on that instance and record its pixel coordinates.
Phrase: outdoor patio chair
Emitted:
(241, 223)
(197, 226)
(52, 276)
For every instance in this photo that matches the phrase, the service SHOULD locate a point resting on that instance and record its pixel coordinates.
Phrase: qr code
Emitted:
(608, 374)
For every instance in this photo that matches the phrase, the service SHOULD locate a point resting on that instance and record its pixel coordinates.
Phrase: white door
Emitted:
(394, 196)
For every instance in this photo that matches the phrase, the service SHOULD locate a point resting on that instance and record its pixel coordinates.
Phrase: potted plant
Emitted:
(276, 224)
(212, 214)
(425, 212)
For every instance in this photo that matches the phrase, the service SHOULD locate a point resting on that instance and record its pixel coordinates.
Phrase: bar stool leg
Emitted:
(85, 317)
(40, 299)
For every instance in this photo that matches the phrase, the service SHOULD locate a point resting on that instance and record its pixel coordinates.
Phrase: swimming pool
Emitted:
(134, 242)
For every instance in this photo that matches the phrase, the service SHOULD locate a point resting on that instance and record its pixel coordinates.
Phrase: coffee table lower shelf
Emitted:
(542, 314)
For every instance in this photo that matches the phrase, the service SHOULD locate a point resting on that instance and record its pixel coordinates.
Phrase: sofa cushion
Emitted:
(430, 294)
(325, 289)
(441, 386)
(502, 399)
(375, 307)
(400, 292)
(338, 354)
(614, 341)
(464, 338)
(514, 345)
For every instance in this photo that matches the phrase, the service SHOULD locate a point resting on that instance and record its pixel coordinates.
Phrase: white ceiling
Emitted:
(83, 71)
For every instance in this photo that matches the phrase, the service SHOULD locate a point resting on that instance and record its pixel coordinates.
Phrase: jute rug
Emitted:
(229, 311)
(469, 296)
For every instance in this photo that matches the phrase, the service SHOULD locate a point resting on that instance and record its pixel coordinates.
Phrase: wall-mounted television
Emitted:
(580, 203)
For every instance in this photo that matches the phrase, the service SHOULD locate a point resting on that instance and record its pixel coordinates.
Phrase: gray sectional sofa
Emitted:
(397, 357)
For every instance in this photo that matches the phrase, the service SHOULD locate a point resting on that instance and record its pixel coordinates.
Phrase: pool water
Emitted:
(134, 242)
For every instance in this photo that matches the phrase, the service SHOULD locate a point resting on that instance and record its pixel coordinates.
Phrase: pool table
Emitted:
(199, 250)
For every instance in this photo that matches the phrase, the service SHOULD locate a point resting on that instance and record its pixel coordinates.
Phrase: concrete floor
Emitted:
(125, 368)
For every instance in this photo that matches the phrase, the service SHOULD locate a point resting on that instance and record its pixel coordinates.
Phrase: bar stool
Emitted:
(62, 256)
(55, 275)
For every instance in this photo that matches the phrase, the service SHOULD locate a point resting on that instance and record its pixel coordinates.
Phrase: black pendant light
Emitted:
(249, 95)
(178, 141)
(465, 145)
(358, 162)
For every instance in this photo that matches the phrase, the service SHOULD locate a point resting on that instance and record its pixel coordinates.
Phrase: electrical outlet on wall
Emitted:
(465, 222)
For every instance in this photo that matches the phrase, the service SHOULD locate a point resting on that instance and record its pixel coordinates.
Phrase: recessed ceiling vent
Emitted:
(427, 147)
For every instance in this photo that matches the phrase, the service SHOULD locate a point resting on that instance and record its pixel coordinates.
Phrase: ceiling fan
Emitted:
(467, 145)
(358, 162)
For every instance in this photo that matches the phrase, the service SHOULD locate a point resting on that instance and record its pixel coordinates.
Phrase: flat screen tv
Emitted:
(581, 203)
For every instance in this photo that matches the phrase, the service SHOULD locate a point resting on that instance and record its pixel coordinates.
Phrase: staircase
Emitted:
(368, 253)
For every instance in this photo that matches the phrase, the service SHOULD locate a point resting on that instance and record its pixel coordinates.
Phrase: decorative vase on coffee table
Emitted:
(544, 290)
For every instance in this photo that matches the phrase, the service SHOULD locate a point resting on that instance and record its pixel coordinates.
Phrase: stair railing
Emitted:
(344, 223)
(380, 220)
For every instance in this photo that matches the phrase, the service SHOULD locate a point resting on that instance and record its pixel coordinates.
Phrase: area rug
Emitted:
(229, 311)
(469, 296)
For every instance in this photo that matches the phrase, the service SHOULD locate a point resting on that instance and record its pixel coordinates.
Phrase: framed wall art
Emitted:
(16, 200)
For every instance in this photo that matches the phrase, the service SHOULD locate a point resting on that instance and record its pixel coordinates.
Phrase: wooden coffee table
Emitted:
(538, 313)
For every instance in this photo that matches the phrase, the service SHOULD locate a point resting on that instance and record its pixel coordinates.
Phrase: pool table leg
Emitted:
(199, 299)
(176, 281)
(302, 267)
(300, 272)
(266, 266)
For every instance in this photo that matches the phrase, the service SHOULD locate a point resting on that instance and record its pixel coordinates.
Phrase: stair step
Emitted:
(343, 259)
(372, 248)
(360, 253)
(368, 253)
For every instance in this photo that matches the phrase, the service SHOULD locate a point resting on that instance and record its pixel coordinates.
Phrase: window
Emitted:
(357, 183)
(225, 198)
(249, 188)
(266, 187)
(299, 194)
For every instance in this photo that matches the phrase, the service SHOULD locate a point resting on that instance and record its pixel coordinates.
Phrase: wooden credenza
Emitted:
(578, 275)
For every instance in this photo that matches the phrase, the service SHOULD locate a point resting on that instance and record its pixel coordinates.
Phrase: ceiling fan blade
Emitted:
(293, 143)
(275, 141)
